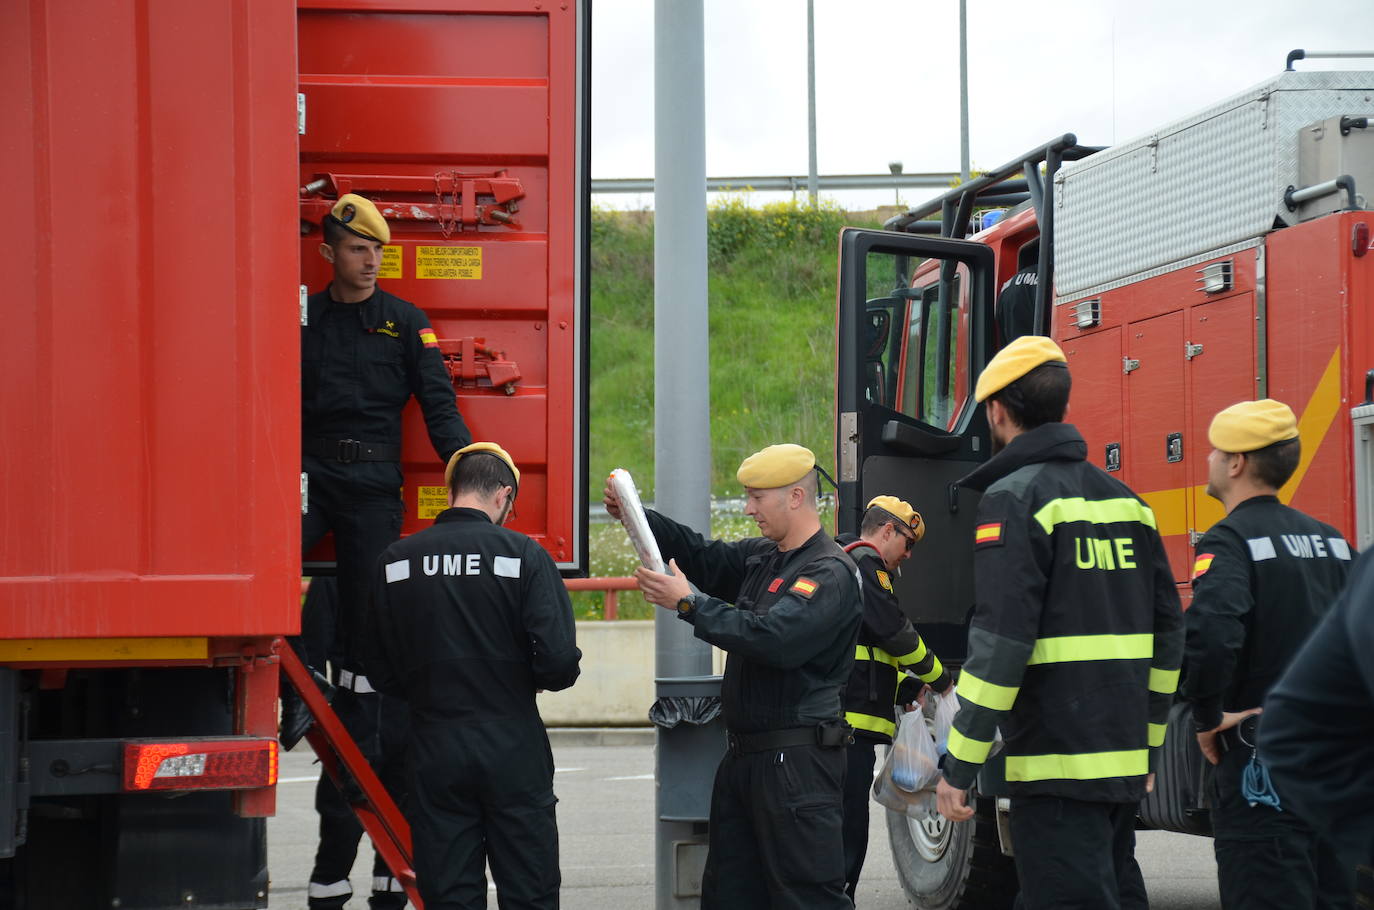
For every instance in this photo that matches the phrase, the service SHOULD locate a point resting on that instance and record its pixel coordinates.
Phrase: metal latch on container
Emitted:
(1191, 350)
(305, 311)
(470, 359)
(1129, 364)
(305, 492)
(300, 113)
(849, 447)
(1193, 537)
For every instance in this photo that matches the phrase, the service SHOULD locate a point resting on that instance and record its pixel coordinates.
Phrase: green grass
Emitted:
(771, 291)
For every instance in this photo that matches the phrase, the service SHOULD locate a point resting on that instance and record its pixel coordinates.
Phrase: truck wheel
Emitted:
(946, 865)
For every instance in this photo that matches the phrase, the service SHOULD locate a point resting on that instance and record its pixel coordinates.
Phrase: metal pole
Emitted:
(963, 90)
(812, 184)
(682, 448)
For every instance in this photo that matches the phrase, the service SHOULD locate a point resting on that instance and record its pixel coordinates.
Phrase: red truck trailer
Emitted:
(1223, 257)
(162, 160)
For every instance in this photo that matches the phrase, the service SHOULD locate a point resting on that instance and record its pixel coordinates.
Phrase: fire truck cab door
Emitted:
(915, 318)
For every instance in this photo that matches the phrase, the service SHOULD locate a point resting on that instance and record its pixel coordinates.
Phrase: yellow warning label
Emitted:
(391, 263)
(431, 501)
(448, 262)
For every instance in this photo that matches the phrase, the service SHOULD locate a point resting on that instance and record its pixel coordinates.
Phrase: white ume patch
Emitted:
(453, 564)
(1261, 548)
(506, 566)
(397, 571)
(1339, 548)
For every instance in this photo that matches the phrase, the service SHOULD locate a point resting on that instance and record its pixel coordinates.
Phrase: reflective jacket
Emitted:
(787, 621)
(1077, 632)
(1263, 577)
(887, 644)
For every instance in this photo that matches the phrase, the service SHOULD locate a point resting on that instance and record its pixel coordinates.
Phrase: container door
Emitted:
(909, 350)
(1157, 431)
(467, 123)
(1221, 372)
(1095, 406)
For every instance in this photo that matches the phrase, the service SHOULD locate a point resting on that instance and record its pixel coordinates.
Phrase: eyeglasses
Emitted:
(909, 538)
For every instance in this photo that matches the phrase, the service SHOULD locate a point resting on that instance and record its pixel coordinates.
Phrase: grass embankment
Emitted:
(772, 317)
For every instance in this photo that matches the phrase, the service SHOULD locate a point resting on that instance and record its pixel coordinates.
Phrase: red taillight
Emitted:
(200, 764)
(1359, 238)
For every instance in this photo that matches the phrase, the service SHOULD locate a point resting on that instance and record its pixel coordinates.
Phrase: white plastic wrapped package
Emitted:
(636, 525)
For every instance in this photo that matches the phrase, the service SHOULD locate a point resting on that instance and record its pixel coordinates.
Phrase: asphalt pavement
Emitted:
(605, 786)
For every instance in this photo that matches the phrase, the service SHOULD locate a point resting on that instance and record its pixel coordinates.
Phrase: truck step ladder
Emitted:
(345, 765)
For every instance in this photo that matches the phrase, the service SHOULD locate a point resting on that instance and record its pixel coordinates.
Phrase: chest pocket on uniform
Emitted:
(381, 360)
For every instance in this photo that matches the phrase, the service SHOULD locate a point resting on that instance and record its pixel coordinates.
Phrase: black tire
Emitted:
(953, 866)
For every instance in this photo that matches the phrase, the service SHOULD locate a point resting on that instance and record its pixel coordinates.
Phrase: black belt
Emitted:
(827, 735)
(347, 451)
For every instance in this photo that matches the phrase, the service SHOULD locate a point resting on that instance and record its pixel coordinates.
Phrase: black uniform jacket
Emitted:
(468, 620)
(1316, 736)
(1262, 578)
(1077, 632)
(361, 362)
(787, 620)
(887, 642)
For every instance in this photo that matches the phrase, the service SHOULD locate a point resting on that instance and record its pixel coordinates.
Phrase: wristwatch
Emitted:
(687, 604)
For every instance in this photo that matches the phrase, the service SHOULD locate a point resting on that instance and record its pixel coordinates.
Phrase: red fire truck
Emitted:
(167, 166)
(1223, 257)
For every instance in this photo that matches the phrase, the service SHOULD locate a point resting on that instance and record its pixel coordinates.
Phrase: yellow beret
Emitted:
(489, 447)
(1252, 425)
(359, 215)
(1014, 361)
(776, 466)
(901, 510)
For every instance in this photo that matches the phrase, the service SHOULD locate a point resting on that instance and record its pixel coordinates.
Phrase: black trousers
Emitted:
(1075, 854)
(380, 725)
(361, 504)
(1268, 858)
(776, 836)
(860, 758)
(483, 793)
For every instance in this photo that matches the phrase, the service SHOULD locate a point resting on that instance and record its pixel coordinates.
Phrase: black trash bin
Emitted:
(691, 742)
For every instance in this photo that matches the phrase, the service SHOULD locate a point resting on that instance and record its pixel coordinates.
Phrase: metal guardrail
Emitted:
(940, 180)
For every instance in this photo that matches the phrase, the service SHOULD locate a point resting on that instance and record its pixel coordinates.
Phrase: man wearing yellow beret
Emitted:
(469, 619)
(1263, 577)
(785, 607)
(888, 644)
(1073, 648)
(364, 354)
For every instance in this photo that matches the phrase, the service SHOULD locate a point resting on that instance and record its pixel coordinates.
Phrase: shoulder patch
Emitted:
(1201, 565)
(774, 585)
(988, 535)
(885, 580)
(428, 338)
(1261, 548)
(805, 587)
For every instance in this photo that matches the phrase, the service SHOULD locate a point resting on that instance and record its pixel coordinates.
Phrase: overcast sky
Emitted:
(887, 77)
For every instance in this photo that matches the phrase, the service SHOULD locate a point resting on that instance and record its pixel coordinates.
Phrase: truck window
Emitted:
(931, 390)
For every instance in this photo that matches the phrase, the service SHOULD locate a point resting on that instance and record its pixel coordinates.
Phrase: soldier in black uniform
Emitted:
(1317, 739)
(1074, 646)
(469, 621)
(888, 644)
(785, 607)
(1263, 577)
(364, 353)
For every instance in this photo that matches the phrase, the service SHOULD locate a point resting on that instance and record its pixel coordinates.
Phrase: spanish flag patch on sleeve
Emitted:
(805, 587)
(988, 535)
(428, 338)
(1201, 565)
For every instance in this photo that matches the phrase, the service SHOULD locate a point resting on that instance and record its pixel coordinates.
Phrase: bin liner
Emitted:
(670, 710)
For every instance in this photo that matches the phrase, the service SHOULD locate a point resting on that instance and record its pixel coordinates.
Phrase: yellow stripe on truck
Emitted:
(54, 650)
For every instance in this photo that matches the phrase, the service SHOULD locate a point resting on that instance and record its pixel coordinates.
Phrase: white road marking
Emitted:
(567, 770)
(631, 777)
(298, 780)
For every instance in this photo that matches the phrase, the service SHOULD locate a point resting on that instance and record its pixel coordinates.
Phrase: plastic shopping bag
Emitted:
(906, 783)
(946, 706)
